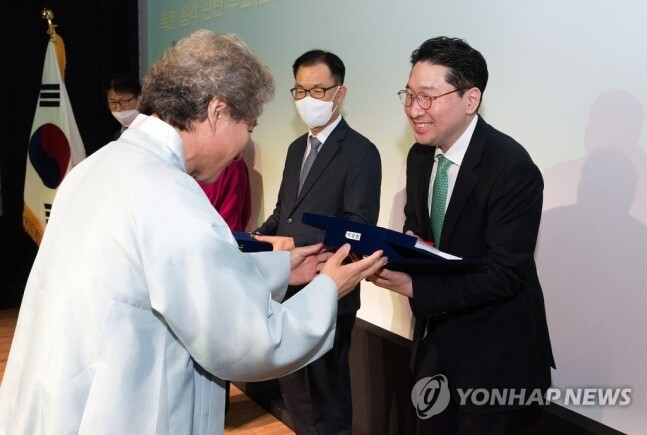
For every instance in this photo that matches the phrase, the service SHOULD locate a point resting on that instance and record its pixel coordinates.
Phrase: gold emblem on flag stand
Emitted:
(47, 14)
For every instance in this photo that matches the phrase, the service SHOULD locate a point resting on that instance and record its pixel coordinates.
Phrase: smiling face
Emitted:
(449, 116)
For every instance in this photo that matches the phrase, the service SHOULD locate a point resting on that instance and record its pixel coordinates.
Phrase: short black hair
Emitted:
(331, 60)
(123, 84)
(467, 66)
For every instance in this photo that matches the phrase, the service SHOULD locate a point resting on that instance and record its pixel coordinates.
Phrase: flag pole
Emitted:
(55, 144)
(48, 15)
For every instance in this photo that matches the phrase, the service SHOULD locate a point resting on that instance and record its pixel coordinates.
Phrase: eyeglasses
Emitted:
(121, 103)
(318, 93)
(424, 100)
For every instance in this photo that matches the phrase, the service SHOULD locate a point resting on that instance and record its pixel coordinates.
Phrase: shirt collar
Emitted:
(456, 152)
(161, 131)
(323, 134)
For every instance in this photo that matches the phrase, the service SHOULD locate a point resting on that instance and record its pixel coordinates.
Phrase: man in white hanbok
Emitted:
(139, 304)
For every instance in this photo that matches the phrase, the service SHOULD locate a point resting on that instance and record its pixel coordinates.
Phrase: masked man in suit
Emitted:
(343, 181)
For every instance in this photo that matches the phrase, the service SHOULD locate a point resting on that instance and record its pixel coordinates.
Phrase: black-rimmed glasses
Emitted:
(121, 103)
(318, 93)
(424, 100)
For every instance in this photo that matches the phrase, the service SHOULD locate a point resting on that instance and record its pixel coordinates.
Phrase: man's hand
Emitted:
(411, 233)
(306, 262)
(398, 282)
(346, 276)
(279, 243)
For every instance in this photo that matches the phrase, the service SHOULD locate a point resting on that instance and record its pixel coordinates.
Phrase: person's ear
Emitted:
(341, 94)
(215, 110)
(473, 96)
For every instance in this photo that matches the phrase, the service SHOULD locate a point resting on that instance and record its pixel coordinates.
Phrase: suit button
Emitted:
(290, 220)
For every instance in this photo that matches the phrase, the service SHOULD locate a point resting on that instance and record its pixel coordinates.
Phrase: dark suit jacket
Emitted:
(344, 181)
(490, 325)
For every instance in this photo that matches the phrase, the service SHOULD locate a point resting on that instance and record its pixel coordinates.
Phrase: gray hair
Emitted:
(200, 67)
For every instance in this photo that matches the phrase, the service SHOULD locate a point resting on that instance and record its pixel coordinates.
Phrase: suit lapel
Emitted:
(293, 168)
(328, 152)
(467, 179)
(426, 164)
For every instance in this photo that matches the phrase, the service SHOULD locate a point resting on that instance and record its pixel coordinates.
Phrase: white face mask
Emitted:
(125, 117)
(313, 112)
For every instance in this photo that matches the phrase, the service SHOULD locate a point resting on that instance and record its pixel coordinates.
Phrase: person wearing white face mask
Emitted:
(315, 112)
(343, 180)
(122, 97)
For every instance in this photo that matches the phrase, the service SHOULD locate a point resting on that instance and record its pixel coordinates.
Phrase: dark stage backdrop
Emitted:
(101, 39)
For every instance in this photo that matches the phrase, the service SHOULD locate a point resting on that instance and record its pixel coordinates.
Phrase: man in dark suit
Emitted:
(477, 194)
(343, 181)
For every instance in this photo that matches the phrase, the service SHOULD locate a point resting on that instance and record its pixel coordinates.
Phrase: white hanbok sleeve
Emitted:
(217, 300)
(268, 263)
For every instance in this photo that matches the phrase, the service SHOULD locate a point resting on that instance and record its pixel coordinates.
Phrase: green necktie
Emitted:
(439, 198)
